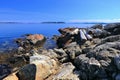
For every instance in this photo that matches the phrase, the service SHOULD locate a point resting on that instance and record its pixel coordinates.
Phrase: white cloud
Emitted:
(96, 20)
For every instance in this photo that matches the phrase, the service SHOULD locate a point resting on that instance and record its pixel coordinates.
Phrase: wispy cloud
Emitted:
(96, 20)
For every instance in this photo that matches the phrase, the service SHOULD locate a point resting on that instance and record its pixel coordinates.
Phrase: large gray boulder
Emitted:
(110, 39)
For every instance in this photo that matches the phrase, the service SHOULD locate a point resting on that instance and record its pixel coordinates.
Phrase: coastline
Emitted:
(87, 54)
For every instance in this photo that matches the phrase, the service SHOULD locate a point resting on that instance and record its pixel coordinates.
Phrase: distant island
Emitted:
(52, 22)
(12, 22)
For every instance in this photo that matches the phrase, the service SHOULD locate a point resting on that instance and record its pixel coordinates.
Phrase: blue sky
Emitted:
(59, 10)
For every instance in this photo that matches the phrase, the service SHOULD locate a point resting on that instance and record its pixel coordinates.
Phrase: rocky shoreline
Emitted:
(81, 54)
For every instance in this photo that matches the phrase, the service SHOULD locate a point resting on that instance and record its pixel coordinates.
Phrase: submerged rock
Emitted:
(30, 41)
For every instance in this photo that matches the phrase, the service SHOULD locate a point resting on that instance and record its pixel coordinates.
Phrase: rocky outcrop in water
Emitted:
(30, 41)
(82, 54)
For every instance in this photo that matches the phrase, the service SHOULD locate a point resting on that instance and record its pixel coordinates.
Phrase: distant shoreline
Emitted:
(55, 22)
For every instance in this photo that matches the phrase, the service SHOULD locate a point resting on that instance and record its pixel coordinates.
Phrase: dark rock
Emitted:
(18, 61)
(28, 72)
(68, 36)
(90, 67)
(104, 63)
(98, 33)
(117, 77)
(73, 51)
(60, 52)
(62, 56)
(64, 40)
(55, 37)
(111, 39)
(81, 61)
(5, 70)
(29, 42)
(98, 26)
(113, 28)
(115, 45)
(117, 61)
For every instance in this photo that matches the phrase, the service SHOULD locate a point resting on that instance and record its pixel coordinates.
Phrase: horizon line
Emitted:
(69, 21)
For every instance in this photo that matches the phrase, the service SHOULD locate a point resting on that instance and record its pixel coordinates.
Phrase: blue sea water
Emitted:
(16, 30)
(8, 32)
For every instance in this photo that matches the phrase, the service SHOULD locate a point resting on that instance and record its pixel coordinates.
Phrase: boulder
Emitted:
(30, 41)
(98, 33)
(107, 45)
(64, 40)
(68, 35)
(18, 61)
(35, 38)
(90, 68)
(67, 30)
(111, 39)
(81, 61)
(113, 28)
(40, 68)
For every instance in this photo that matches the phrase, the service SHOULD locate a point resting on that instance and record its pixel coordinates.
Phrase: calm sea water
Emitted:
(8, 32)
(16, 30)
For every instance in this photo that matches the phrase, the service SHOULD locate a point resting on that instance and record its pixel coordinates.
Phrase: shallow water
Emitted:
(8, 32)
